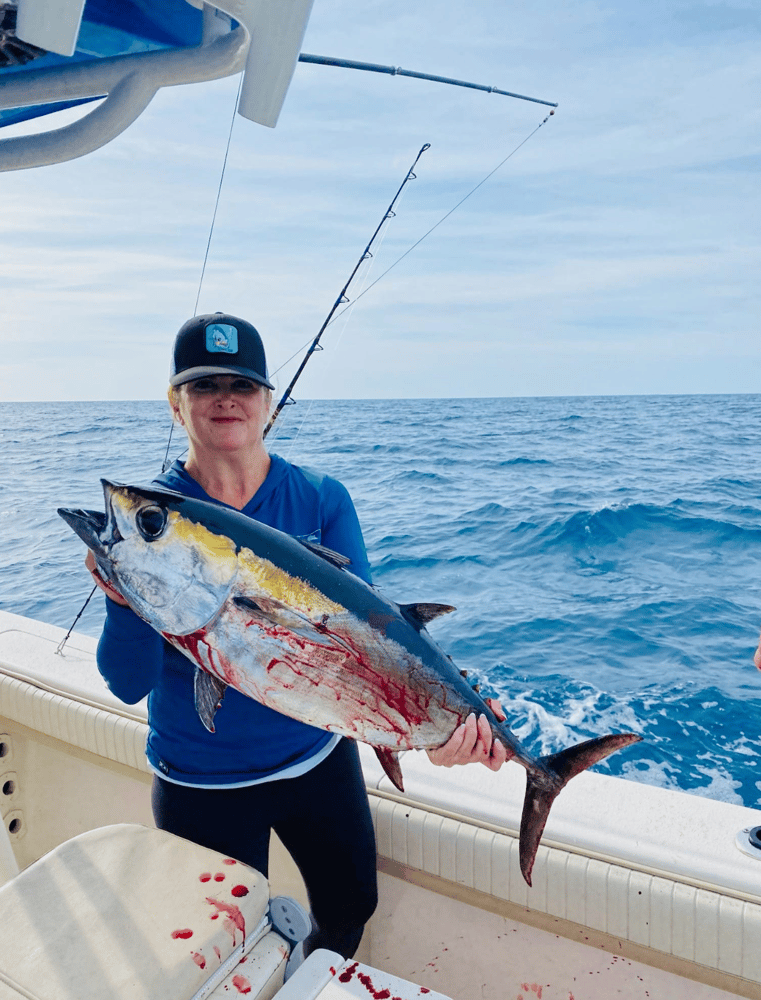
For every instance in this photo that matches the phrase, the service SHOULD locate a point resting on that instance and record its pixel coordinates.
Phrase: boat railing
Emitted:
(265, 44)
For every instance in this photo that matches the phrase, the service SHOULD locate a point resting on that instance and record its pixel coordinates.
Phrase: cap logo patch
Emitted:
(221, 339)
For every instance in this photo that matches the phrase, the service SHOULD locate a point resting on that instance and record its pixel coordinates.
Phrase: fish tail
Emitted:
(545, 782)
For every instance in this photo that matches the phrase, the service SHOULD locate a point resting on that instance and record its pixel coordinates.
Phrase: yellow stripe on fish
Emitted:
(260, 576)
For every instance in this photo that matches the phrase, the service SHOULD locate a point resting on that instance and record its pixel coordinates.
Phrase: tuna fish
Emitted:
(286, 623)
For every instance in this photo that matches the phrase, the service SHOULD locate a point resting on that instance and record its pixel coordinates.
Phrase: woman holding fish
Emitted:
(226, 780)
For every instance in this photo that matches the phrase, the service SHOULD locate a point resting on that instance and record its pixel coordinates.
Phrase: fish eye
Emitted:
(151, 522)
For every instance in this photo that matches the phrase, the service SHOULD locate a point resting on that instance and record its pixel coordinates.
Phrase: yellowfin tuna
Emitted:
(286, 623)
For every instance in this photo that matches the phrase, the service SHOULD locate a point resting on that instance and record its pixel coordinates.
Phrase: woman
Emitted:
(260, 770)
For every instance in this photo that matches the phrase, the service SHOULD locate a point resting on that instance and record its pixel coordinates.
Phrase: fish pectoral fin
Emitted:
(209, 692)
(246, 603)
(420, 614)
(328, 554)
(390, 763)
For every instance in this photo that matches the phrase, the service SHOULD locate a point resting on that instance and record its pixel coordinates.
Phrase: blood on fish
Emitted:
(219, 877)
(192, 644)
(229, 861)
(184, 933)
(204, 877)
(241, 984)
(239, 890)
(392, 700)
(199, 959)
(206, 655)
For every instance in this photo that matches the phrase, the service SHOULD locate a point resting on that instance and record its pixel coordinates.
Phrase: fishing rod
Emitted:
(398, 71)
(342, 297)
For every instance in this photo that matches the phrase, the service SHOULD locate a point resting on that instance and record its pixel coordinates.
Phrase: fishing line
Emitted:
(349, 305)
(165, 463)
(62, 643)
(342, 298)
(283, 425)
(450, 212)
(305, 414)
(219, 194)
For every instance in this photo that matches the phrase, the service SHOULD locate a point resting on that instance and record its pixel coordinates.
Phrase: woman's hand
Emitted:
(472, 743)
(106, 587)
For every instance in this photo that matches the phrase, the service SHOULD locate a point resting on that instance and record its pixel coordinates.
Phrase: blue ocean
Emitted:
(603, 553)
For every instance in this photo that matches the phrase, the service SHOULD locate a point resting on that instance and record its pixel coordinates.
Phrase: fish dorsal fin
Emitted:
(420, 614)
(209, 692)
(390, 763)
(327, 554)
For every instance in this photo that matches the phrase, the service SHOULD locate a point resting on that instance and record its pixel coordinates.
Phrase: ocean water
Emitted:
(603, 553)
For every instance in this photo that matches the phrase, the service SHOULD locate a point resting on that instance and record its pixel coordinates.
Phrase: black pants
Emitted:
(322, 818)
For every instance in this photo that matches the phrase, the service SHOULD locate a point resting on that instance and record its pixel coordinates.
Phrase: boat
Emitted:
(637, 891)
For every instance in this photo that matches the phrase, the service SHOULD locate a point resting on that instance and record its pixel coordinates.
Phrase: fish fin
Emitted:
(420, 614)
(336, 558)
(543, 786)
(209, 692)
(390, 763)
(246, 603)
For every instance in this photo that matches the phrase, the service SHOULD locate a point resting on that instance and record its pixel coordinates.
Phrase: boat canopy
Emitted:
(56, 54)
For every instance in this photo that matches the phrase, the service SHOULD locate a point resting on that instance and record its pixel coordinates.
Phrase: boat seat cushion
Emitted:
(258, 975)
(125, 911)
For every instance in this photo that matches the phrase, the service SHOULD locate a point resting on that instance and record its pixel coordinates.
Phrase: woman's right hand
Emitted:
(106, 587)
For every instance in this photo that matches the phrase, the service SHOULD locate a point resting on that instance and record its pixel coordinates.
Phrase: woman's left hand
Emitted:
(472, 743)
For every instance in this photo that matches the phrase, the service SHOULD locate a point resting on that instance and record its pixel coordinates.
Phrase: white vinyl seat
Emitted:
(136, 913)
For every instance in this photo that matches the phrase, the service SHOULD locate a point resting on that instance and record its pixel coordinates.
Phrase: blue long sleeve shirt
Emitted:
(251, 742)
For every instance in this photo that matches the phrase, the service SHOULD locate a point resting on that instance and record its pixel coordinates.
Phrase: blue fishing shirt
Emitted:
(251, 742)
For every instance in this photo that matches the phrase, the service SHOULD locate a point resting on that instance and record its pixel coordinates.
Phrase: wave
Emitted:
(609, 526)
(523, 460)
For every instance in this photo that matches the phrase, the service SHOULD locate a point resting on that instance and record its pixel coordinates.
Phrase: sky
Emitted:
(616, 251)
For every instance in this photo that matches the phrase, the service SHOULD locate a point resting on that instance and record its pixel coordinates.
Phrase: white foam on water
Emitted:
(581, 718)
(742, 746)
(651, 772)
(721, 786)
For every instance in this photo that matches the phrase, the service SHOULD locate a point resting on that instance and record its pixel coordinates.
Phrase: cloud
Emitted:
(629, 218)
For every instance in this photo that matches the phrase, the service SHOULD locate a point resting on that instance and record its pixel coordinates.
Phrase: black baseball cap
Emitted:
(218, 344)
